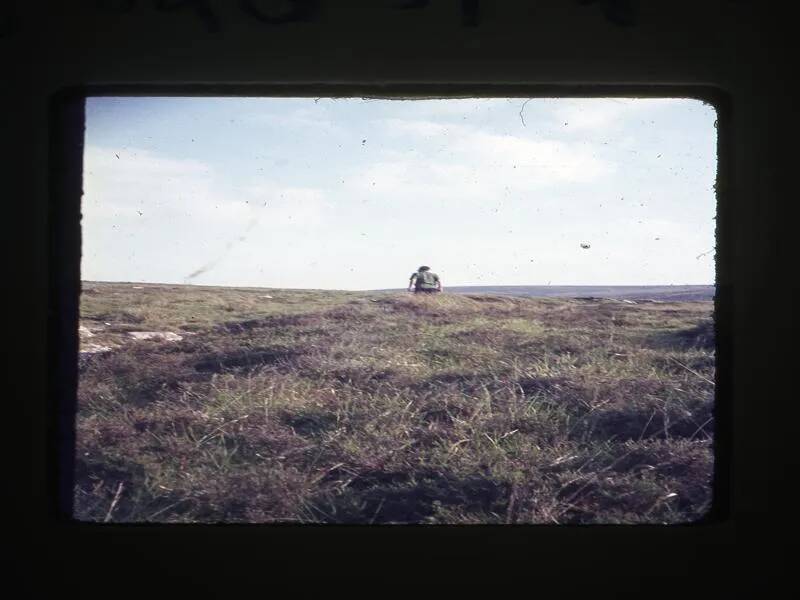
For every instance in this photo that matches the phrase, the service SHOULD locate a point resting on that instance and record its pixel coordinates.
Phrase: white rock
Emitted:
(95, 348)
(166, 336)
(85, 332)
(270, 297)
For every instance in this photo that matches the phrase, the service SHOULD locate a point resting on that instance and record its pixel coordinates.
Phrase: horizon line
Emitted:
(498, 285)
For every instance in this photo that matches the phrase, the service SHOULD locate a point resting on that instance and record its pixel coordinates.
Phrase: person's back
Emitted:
(424, 280)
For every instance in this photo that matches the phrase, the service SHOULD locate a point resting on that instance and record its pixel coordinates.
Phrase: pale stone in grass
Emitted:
(166, 336)
(95, 348)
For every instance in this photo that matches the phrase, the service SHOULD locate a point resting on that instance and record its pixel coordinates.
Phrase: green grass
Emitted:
(338, 407)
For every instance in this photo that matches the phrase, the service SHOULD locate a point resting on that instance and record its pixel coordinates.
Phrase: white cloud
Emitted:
(415, 127)
(289, 206)
(143, 184)
(599, 115)
(303, 119)
(464, 164)
(122, 180)
(173, 215)
(545, 162)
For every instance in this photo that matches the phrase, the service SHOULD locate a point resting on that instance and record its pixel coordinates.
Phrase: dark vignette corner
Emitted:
(724, 400)
(66, 129)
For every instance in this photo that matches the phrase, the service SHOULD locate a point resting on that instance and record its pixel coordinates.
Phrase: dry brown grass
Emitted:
(390, 408)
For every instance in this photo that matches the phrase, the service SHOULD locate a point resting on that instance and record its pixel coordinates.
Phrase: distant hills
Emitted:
(664, 293)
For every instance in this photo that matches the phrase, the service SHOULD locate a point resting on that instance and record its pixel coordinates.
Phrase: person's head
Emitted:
(424, 269)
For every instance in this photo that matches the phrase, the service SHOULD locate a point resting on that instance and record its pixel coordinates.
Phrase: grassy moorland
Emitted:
(339, 407)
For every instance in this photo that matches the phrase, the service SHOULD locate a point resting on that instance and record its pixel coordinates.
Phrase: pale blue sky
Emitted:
(355, 194)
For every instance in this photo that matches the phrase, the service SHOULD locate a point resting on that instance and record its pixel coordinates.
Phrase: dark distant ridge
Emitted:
(665, 293)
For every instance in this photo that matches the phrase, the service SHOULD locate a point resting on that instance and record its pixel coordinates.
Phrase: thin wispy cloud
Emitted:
(589, 115)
